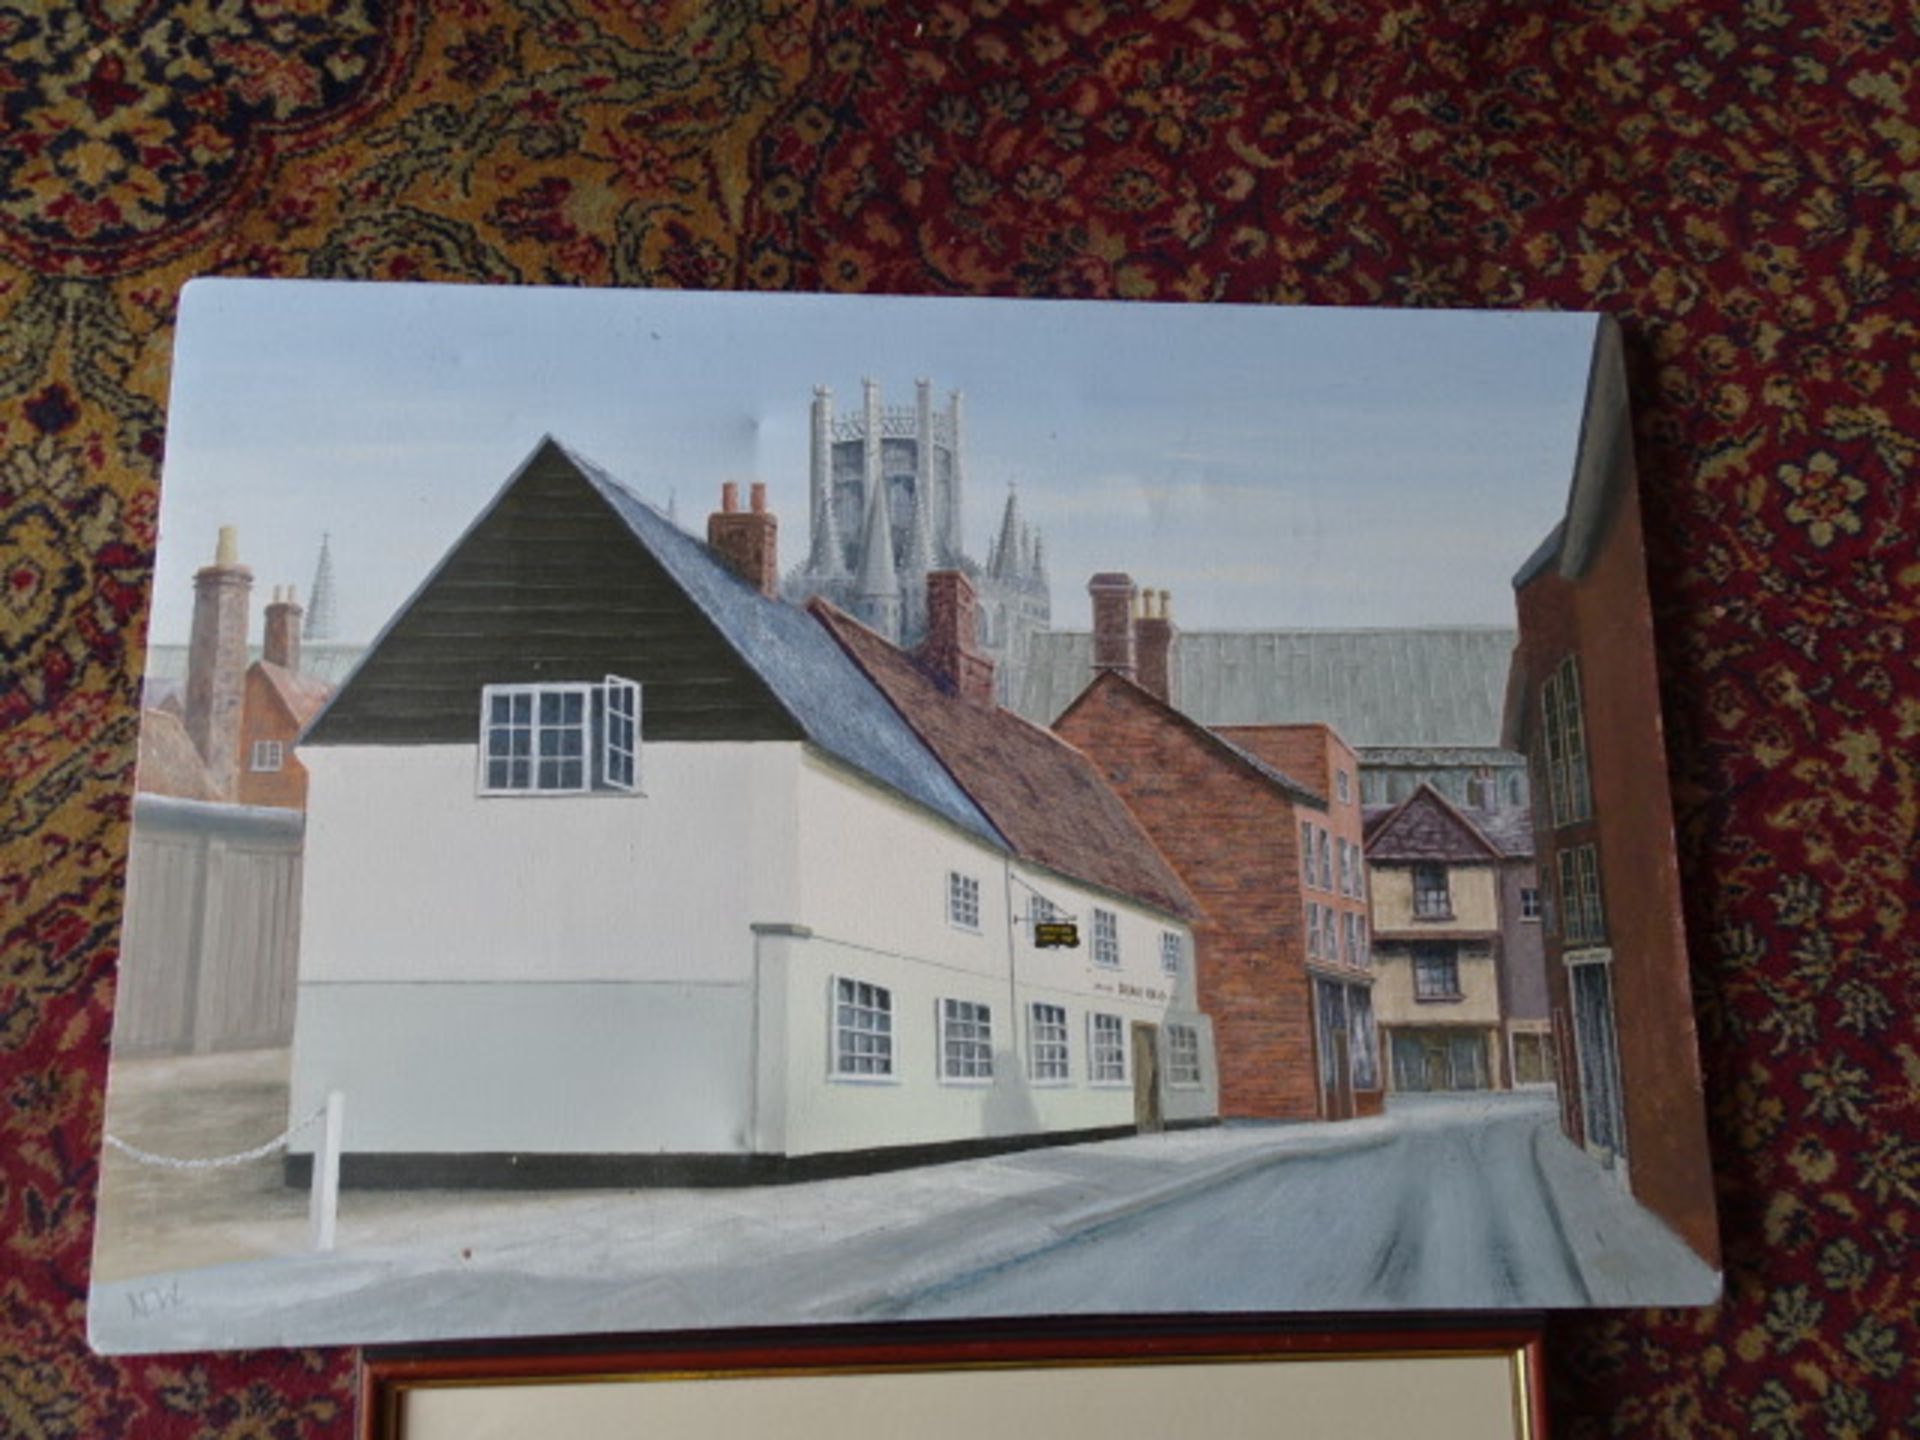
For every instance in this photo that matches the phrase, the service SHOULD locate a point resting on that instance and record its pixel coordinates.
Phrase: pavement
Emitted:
(211, 1260)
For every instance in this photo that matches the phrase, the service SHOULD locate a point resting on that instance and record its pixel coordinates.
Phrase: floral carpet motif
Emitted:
(1740, 183)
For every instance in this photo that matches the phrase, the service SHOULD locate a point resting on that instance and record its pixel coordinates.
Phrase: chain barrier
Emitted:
(217, 1162)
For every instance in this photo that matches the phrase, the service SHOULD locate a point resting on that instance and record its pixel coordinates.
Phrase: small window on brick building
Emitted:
(267, 756)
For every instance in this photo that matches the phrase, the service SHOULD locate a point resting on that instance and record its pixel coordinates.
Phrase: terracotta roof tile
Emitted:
(1045, 796)
(169, 764)
(304, 695)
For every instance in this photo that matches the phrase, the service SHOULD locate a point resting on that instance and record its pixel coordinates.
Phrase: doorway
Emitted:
(1147, 1117)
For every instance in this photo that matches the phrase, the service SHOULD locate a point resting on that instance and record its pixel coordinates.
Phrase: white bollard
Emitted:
(326, 1174)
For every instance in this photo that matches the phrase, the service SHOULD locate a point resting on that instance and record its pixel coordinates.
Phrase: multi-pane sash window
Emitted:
(1566, 745)
(560, 739)
(1343, 786)
(1106, 1050)
(1047, 1053)
(966, 1040)
(1172, 947)
(1583, 920)
(1529, 903)
(1436, 973)
(266, 756)
(1183, 1055)
(1431, 899)
(1306, 852)
(1106, 937)
(1350, 949)
(1313, 927)
(862, 1028)
(1326, 861)
(963, 900)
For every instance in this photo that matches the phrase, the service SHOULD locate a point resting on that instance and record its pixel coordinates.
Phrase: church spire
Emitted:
(1004, 563)
(320, 617)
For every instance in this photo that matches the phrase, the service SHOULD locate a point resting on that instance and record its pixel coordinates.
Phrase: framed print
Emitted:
(1239, 1384)
(665, 812)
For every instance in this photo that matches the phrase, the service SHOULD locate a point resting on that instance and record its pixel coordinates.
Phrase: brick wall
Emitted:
(1235, 841)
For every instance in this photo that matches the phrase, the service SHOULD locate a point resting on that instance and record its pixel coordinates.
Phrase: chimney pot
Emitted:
(217, 661)
(1153, 636)
(1113, 621)
(747, 541)
(950, 650)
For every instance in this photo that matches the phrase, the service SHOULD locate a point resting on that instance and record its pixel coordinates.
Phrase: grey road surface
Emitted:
(1451, 1213)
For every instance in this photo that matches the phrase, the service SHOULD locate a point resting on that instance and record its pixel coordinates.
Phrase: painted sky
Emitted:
(1270, 467)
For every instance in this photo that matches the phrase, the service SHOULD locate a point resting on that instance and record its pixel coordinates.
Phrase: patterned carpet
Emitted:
(1740, 183)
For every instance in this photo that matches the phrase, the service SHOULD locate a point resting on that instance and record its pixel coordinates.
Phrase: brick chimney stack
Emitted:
(1153, 644)
(281, 643)
(1112, 622)
(953, 631)
(217, 662)
(748, 541)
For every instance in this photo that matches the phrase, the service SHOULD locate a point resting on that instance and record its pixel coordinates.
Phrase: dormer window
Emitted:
(560, 739)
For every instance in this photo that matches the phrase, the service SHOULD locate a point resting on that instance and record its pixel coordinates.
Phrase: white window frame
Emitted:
(1343, 786)
(1102, 1070)
(1173, 951)
(1049, 1044)
(1530, 903)
(1183, 1057)
(969, 1023)
(609, 755)
(963, 901)
(1313, 927)
(266, 757)
(842, 1060)
(1306, 854)
(1326, 860)
(1106, 938)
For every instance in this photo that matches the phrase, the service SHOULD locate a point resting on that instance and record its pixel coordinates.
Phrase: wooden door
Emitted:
(1147, 1118)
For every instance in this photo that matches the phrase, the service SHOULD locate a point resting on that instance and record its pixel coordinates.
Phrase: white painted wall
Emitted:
(412, 875)
(485, 1067)
(581, 974)
(873, 879)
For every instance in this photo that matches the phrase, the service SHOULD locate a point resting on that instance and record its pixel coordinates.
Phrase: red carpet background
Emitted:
(1739, 183)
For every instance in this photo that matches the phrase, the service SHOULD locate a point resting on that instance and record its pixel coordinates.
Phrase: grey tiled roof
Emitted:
(1442, 686)
(836, 705)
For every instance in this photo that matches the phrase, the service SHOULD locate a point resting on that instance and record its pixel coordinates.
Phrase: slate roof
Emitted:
(1426, 826)
(1510, 830)
(811, 677)
(1413, 687)
(1044, 795)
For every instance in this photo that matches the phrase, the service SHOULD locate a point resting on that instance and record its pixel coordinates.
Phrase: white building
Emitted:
(619, 869)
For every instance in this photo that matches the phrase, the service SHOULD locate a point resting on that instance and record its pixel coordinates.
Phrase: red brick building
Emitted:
(1583, 704)
(229, 735)
(1281, 950)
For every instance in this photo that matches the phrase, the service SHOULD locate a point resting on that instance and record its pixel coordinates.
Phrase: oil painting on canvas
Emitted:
(663, 810)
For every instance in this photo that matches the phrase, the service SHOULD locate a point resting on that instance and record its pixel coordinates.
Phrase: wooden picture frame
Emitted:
(1228, 1377)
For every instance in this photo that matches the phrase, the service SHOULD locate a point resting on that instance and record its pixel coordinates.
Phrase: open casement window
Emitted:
(564, 739)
